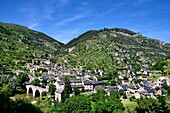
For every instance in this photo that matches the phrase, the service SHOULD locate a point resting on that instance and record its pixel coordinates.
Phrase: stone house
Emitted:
(137, 95)
(58, 94)
(87, 85)
(125, 82)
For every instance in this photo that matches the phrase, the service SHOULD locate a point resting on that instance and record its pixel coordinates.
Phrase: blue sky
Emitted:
(67, 19)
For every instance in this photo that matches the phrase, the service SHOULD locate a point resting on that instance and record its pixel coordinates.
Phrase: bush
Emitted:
(131, 98)
(124, 96)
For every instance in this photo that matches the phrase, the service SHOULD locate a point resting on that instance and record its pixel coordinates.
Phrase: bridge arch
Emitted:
(30, 90)
(36, 90)
(37, 93)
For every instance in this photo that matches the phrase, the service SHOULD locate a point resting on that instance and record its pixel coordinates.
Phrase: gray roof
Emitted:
(163, 90)
(75, 81)
(99, 82)
(60, 82)
(60, 90)
(124, 87)
(87, 82)
(107, 88)
(77, 86)
(112, 88)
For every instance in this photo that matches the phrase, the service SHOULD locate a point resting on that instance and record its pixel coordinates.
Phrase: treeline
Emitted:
(8, 105)
(95, 103)
(103, 103)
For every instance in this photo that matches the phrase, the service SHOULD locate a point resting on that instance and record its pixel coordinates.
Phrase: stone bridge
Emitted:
(35, 90)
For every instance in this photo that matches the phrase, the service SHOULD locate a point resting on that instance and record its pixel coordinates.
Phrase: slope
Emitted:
(20, 44)
(112, 49)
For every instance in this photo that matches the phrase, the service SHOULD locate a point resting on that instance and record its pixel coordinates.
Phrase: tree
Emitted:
(165, 86)
(108, 104)
(76, 104)
(4, 100)
(113, 82)
(124, 96)
(121, 92)
(22, 106)
(6, 89)
(52, 89)
(149, 105)
(159, 65)
(37, 74)
(157, 88)
(18, 106)
(99, 96)
(76, 91)
(44, 82)
(67, 89)
(22, 78)
(36, 82)
(163, 104)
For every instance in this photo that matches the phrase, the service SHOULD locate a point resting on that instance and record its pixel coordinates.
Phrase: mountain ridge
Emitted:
(20, 44)
(105, 49)
(97, 49)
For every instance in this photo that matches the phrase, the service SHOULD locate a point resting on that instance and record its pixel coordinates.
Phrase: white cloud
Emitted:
(71, 19)
(33, 25)
(31, 13)
(50, 7)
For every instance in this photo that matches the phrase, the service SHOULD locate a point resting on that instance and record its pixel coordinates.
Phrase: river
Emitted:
(28, 97)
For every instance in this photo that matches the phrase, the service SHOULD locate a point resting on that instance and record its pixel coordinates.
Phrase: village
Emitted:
(88, 83)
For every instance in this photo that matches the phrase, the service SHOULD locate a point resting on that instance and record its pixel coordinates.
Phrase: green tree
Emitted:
(121, 92)
(36, 82)
(149, 105)
(4, 101)
(110, 104)
(76, 104)
(6, 89)
(163, 104)
(22, 78)
(76, 91)
(157, 88)
(165, 86)
(159, 65)
(124, 96)
(44, 82)
(22, 106)
(18, 106)
(52, 89)
(67, 89)
(112, 82)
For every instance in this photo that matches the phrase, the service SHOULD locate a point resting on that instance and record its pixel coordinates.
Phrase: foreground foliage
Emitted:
(8, 105)
(95, 103)
(150, 105)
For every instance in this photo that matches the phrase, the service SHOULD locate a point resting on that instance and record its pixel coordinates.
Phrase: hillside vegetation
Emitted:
(109, 49)
(20, 44)
(106, 49)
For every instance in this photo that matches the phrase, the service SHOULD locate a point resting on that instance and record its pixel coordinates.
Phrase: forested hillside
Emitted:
(19, 44)
(108, 49)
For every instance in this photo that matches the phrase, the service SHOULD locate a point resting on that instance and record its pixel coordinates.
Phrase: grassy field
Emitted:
(129, 105)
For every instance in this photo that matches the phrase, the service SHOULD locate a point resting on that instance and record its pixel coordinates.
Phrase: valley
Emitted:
(101, 70)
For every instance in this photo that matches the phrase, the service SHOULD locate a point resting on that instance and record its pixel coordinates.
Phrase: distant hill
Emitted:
(19, 43)
(110, 49)
(105, 49)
